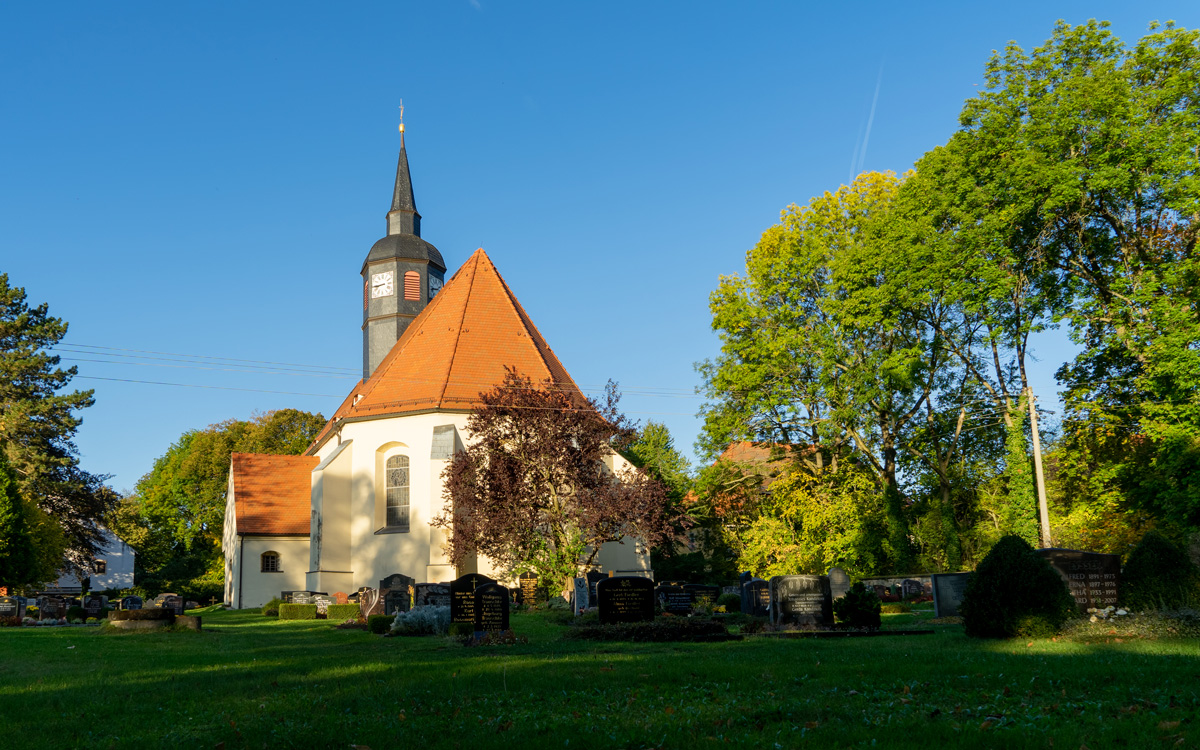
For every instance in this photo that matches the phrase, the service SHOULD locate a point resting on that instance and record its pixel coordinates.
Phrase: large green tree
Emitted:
(38, 421)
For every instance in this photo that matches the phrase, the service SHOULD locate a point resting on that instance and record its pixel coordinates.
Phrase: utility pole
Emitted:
(1043, 509)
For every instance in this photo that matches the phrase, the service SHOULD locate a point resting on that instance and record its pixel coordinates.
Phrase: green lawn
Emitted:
(247, 681)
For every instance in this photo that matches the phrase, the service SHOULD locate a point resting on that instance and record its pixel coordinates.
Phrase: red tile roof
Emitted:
(456, 348)
(272, 494)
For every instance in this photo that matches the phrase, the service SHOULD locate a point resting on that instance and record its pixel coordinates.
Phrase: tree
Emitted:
(38, 423)
(537, 489)
(176, 514)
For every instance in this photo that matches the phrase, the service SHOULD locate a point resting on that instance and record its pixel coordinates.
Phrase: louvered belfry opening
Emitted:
(412, 285)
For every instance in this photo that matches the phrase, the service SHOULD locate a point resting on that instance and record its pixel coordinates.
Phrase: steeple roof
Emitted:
(456, 348)
(403, 218)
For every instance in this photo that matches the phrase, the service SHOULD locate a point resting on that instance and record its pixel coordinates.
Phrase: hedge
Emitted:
(342, 612)
(297, 611)
(380, 624)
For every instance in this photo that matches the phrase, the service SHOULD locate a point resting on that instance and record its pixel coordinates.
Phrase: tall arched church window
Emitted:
(397, 492)
(412, 285)
(270, 562)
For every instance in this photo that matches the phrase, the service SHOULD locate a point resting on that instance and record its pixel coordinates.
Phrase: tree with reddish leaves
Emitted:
(536, 490)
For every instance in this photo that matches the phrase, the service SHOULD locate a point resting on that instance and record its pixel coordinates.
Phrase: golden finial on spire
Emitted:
(402, 117)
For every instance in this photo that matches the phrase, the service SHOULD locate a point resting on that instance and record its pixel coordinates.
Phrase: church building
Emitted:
(357, 507)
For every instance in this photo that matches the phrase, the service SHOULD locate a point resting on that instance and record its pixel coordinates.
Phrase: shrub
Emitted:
(379, 624)
(1159, 575)
(461, 628)
(659, 629)
(896, 608)
(10, 621)
(428, 620)
(271, 608)
(76, 613)
(731, 602)
(342, 612)
(297, 611)
(1013, 592)
(557, 603)
(859, 608)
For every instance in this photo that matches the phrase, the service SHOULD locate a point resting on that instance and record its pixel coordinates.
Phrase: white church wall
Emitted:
(258, 586)
(330, 565)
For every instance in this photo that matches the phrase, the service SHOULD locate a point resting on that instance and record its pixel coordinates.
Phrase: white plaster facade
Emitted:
(115, 560)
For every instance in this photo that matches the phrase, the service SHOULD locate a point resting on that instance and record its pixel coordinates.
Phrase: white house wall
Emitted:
(253, 587)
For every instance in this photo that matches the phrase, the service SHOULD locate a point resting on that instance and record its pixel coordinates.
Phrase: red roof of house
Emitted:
(455, 349)
(272, 494)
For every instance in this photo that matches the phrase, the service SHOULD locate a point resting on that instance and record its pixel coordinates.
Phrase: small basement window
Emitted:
(99, 567)
(270, 562)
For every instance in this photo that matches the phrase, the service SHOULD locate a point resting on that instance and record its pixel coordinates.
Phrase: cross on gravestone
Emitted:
(948, 591)
(839, 582)
(756, 598)
(911, 588)
(625, 599)
(462, 596)
(212, 600)
(801, 600)
(490, 605)
(1093, 578)
(529, 584)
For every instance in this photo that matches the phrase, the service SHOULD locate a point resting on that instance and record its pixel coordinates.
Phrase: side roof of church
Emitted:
(272, 494)
(458, 347)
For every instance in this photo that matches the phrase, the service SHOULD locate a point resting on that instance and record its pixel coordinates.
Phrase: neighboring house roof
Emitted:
(455, 349)
(272, 494)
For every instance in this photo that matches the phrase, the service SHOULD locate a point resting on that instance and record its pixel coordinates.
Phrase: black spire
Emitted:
(403, 218)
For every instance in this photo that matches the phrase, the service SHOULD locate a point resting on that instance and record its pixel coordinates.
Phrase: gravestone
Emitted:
(131, 602)
(94, 605)
(756, 598)
(340, 597)
(910, 588)
(431, 595)
(462, 596)
(52, 608)
(674, 600)
(593, 577)
(679, 584)
(1093, 578)
(323, 601)
(880, 590)
(839, 583)
(302, 597)
(745, 577)
(173, 602)
(529, 584)
(369, 601)
(948, 591)
(702, 594)
(11, 607)
(397, 592)
(491, 603)
(625, 599)
(801, 600)
(580, 596)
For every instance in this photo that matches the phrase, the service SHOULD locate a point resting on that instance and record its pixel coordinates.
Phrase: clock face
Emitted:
(382, 284)
(435, 286)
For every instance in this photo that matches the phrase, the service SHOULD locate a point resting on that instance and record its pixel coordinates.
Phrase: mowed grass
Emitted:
(251, 682)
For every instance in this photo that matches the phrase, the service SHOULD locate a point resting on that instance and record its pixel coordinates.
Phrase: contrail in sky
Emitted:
(862, 154)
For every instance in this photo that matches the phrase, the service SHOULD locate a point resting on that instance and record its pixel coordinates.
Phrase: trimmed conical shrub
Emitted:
(1015, 592)
(1159, 575)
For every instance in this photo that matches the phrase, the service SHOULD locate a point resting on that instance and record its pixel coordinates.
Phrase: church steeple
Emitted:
(401, 273)
(403, 218)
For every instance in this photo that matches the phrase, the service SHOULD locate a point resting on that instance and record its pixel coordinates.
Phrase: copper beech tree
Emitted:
(534, 493)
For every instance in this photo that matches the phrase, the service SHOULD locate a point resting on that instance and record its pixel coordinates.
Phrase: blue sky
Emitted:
(206, 179)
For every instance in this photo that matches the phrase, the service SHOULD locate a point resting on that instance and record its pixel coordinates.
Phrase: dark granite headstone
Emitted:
(462, 596)
(756, 598)
(625, 599)
(174, 603)
(529, 585)
(801, 600)
(680, 584)
(948, 591)
(910, 588)
(491, 602)
(880, 590)
(593, 577)
(132, 602)
(674, 600)
(745, 577)
(1093, 578)
(323, 601)
(702, 594)
(302, 597)
(580, 596)
(397, 591)
(839, 582)
(10, 607)
(52, 608)
(431, 595)
(94, 605)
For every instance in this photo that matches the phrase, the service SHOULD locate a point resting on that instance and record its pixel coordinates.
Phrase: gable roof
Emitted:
(272, 494)
(456, 348)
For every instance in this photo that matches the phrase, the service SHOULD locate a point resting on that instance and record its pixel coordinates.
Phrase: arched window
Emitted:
(270, 562)
(397, 492)
(412, 285)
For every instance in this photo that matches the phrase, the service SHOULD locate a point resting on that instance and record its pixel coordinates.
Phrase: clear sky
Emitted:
(205, 179)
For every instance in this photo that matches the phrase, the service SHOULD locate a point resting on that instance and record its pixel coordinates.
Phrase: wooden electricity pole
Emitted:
(1043, 509)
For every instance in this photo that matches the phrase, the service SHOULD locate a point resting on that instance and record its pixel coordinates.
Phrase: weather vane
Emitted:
(401, 115)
